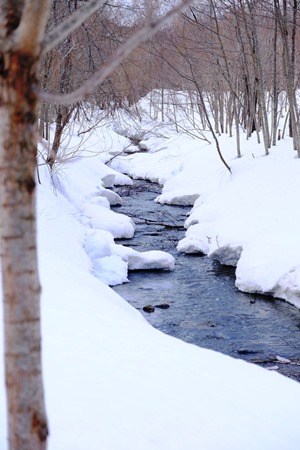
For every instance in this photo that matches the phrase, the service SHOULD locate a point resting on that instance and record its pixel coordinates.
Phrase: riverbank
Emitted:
(202, 304)
(108, 374)
(247, 218)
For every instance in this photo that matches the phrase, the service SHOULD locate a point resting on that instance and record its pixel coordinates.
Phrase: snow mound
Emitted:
(177, 198)
(154, 259)
(190, 245)
(257, 273)
(111, 270)
(113, 198)
(119, 225)
(228, 255)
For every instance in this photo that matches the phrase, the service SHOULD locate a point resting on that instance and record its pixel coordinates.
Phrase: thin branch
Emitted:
(62, 31)
(145, 33)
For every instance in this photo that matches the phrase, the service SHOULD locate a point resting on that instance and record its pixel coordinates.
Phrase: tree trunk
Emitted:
(259, 77)
(237, 128)
(27, 424)
(63, 116)
(275, 86)
(294, 118)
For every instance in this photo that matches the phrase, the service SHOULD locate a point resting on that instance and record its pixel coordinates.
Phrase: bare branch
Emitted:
(145, 33)
(61, 31)
(28, 37)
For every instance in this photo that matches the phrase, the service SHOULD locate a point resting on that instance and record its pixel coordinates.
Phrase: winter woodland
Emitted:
(202, 98)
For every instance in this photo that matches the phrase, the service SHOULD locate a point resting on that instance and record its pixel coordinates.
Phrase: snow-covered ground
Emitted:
(112, 381)
(248, 218)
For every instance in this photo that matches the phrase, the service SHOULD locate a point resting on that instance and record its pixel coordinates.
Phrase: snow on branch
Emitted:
(149, 30)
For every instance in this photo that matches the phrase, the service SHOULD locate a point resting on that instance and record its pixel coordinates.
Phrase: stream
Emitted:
(198, 301)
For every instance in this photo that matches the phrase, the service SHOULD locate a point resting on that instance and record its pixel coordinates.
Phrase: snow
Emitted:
(247, 218)
(153, 259)
(111, 380)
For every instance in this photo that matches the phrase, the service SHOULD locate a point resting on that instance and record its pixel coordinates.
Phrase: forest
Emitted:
(236, 60)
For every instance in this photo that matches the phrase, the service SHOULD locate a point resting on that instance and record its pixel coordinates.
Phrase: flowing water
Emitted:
(198, 301)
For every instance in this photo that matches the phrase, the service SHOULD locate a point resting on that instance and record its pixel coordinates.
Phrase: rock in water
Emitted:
(163, 306)
(149, 308)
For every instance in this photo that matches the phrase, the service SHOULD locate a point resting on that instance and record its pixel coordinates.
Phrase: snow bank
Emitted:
(122, 384)
(84, 183)
(117, 381)
(248, 218)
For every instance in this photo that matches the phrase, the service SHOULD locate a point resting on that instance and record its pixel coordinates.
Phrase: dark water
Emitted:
(205, 308)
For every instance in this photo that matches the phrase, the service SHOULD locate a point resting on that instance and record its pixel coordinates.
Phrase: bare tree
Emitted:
(288, 57)
(21, 47)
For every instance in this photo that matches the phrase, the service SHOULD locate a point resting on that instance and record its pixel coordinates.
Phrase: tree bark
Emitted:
(26, 412)
(275, 85)
(27, 425)
(19, 56)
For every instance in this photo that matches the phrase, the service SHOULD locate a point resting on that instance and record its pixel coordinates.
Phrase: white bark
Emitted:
(28, 37)
(27, 424)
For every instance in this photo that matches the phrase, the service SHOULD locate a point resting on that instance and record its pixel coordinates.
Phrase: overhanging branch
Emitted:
(62, 31)
(145, 33)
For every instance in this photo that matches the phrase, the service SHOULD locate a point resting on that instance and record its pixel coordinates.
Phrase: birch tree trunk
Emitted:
(26, 412)
(19, 55)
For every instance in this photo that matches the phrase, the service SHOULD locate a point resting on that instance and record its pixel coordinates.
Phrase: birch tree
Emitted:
(19, 56)
(21, 48)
